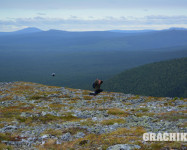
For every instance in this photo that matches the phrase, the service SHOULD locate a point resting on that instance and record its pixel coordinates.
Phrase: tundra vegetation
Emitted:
(48, 117)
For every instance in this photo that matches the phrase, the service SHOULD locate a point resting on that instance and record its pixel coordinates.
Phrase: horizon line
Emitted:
(171, 28)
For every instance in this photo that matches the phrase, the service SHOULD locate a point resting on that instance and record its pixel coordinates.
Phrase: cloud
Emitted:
(107, 23)
(166, 19)
(41, 14)
(86, 4)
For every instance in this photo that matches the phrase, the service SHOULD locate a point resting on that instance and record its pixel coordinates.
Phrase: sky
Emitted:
(92, 15)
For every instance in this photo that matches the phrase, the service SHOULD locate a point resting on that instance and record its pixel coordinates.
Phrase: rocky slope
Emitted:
(35, 116)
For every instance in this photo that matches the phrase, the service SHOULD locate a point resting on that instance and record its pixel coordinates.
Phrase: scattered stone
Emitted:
(124, 147)
(44, 113)
(79, 135)
(66, 137)
(30, 133)
(9, 128)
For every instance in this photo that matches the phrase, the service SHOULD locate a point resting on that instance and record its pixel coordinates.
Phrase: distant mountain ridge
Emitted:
(132, 31)
(22, 31)
(166, 78)
(93, 40)
(34, 29)
(78, 58)
(28, 30)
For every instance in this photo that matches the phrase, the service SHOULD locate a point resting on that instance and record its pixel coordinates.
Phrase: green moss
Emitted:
(56, 106)
(145, 114)
(112, 121)
(74, 130)
(4, 136)
(87, 97)
(118, 112)
(9, 97)
(135, 131)
(142, 109)
(47, 118)
(36, 97)
(127, 103)
(1, 125)
(88, 122)
(106, 98)
(175, 145)
(53, 132)
(156, 146)
(85, 92)
(5, 147)
(175, 98)
(172, 116)
(10, 114)
(182, 106)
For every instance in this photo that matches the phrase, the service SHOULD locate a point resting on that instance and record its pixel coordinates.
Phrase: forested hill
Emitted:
(166, 78)
(78, 58)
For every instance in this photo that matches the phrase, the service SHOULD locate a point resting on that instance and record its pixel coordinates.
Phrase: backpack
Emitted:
(93, 85)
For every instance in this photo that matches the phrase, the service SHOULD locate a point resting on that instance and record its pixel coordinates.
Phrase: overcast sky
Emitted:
(89, 15)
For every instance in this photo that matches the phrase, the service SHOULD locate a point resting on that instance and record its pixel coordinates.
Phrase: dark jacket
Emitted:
(97, 84)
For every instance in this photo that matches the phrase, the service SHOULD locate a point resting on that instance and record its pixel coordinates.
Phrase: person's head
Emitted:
(100, 82)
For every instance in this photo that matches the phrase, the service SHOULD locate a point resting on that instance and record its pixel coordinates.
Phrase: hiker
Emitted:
(96, 85)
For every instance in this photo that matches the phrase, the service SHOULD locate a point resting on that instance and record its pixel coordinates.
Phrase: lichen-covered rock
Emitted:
(66, 137)
(33, 114)
(79, 135)
(124, 147)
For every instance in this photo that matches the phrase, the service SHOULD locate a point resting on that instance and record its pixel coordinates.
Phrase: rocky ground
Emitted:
(35, 116)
